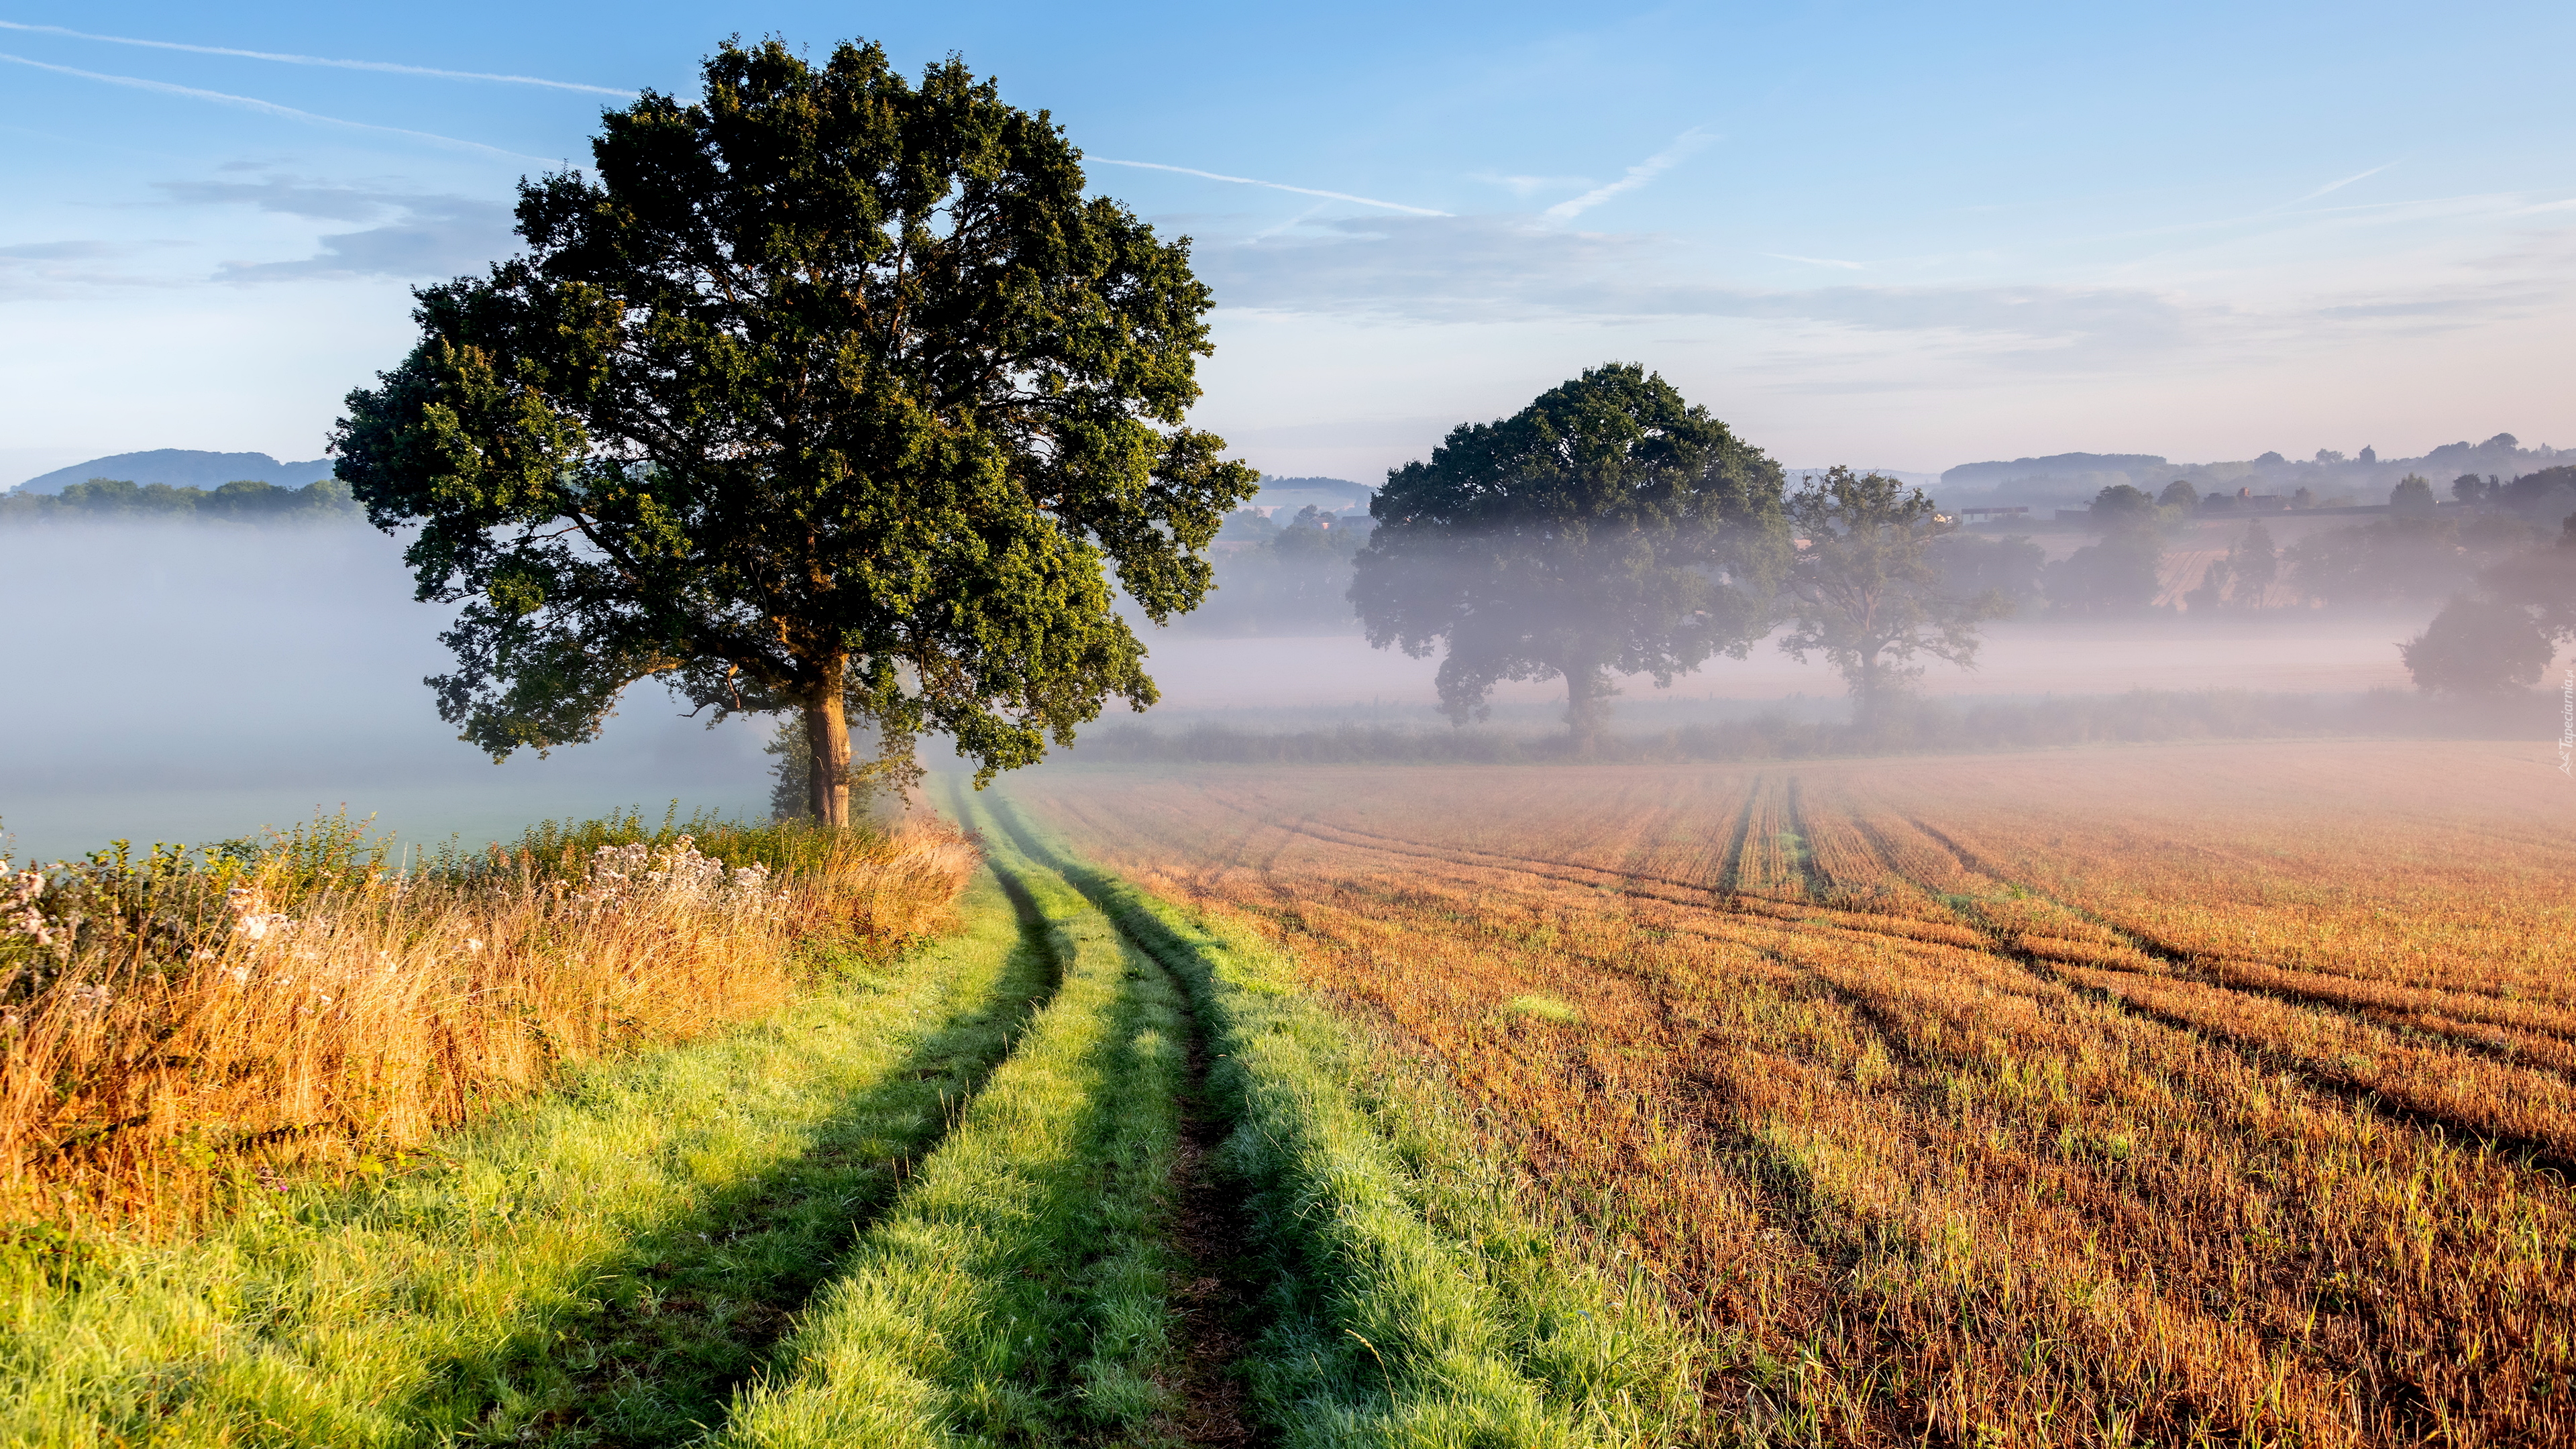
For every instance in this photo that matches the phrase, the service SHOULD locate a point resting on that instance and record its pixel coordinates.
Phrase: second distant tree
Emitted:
(1608, 528)
(1867, 593)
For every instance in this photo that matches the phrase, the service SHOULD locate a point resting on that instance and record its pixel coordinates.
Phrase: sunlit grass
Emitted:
(177, 1030)
(605, 1262)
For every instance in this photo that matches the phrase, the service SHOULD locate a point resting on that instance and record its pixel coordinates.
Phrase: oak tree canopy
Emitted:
(825, 392)
(1608, 528)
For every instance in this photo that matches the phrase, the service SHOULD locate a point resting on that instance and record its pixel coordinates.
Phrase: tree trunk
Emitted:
(827, 731)
(1587, 706)
(1867, 689)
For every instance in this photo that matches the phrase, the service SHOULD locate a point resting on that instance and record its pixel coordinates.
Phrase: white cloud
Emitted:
(418, 235)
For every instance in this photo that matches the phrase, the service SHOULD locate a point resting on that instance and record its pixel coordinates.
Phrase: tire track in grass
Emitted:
(600, 1265)
(2183, 1001)
(1216, 1292)
(1410, 1306)
(1019, 1290)
(663, 1362)
(2502, 1031)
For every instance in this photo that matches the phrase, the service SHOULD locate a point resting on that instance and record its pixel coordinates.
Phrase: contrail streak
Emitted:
(270, 108)
(1273, 185)
(2340, 185)
(376, 65)
(1638, 175)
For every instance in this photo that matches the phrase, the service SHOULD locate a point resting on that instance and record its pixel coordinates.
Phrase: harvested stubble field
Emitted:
(2165, 1094)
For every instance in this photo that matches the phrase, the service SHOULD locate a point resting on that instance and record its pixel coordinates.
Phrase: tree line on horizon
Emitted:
(244, 500)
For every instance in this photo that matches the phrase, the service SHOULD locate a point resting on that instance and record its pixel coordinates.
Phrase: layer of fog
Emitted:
(2302, 653)
(200, 682)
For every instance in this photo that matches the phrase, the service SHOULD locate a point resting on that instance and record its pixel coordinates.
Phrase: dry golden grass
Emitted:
(2166, 1094)
(171, 1036)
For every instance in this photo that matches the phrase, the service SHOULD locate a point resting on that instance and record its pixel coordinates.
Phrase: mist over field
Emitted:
(187, 683)
(195, 682)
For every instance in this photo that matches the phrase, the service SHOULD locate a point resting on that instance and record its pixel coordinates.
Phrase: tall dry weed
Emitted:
(175, 1032)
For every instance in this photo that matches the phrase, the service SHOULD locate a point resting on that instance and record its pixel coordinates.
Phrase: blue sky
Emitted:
(1895, 236)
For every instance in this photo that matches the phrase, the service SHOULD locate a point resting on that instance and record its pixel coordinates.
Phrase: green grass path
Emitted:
(602, 1265)
(1018, 1292)
(1411, 1302)
(931, 1204)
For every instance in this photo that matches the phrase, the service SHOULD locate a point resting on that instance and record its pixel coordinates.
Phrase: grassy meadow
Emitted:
(793, 1139)
(2149, 1096)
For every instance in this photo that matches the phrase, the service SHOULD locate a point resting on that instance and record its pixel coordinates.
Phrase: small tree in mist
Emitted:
(1866, 592)
(2256, 563)
(832, 394)
(1970, 566)
(2121, 507)
(2478, 646)
(2120, 575)
(2412, 494)
(1607, 528)
(2499, 639)
(2213, 588)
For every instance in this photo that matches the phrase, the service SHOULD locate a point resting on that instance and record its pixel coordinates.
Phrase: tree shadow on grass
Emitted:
(649, 1352)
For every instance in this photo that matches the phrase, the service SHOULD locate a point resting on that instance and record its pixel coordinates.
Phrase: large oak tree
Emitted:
(829, 393)
(1608, 528)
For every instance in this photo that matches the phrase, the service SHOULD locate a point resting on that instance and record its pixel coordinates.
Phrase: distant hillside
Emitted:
(183, 468)
(2329, 476)
(1277, 490)
(2055, 465)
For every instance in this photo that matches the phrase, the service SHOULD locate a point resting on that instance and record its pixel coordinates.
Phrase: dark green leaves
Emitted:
(1607, 527)
(828, 382)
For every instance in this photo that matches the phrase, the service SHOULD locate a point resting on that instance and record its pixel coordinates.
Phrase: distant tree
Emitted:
(1247, 525)
(2477, 646)
(2541, 582)
(245, 501)
(2393, 559)
(831, 394)
(2543, 497)
(1970, 566)
(2270, 460)
(1608, 528)
(2468, 488)
(1312, 561)
(2306, 497)
(1866, 592)
(2179, 498)
(2328, 455)
(2120, 575)
(2212, 591)
(2254, 563)
(2368, 455)
(2120, 506)
(2411, 495)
